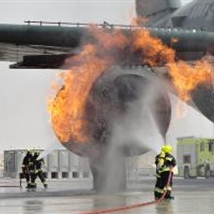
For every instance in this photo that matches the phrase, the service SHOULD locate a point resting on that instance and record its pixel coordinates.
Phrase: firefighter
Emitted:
(25, 167)
(32, 171)
(164, 162)
(36, 170)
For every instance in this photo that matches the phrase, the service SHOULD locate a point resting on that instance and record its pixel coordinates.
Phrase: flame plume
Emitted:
(186, 77)
(67, 109)
(113, 47)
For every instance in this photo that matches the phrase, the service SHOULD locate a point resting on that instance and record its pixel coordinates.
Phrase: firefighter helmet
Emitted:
(166, 149)
(36, 154)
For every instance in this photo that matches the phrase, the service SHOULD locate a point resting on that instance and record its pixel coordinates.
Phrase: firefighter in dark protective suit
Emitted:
(36, 170)
(25, 167)
(164, 162)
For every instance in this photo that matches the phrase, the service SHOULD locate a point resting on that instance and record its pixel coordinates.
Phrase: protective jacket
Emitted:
(25, 165)
(164, 162)
(27, 159)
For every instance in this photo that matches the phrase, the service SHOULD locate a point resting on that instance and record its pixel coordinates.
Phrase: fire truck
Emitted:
(195, 157)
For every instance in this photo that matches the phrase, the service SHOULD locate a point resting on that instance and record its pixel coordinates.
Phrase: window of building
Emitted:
(211, 146)
(86, 174)
(75, 174)
(202, 147)
(186, 159)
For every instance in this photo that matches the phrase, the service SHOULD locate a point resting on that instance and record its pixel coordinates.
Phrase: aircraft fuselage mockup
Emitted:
(116, 85)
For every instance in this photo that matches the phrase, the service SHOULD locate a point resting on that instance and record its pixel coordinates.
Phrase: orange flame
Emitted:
(67, 109)
(186, 77)
(153, 50)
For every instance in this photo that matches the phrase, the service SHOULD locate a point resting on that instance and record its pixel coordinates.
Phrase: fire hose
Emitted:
(111, 210)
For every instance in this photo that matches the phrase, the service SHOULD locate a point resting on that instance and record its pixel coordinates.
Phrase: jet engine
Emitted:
(124, 105)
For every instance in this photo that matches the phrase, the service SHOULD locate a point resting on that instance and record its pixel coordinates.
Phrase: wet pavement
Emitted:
(76, 197)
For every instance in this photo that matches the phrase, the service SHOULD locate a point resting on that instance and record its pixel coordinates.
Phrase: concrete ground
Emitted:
(192, 196)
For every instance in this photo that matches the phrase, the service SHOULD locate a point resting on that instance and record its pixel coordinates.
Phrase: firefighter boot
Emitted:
(168, 195)
(157, 195)
(28, 185)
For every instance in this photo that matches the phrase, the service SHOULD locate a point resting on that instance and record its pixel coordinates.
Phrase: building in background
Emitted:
(63, 164)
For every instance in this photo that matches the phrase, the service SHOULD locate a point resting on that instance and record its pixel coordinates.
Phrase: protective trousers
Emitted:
(161, 185)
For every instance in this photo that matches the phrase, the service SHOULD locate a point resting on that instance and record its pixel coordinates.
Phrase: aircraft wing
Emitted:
(47, 46)
(33, 56)
(38, 46)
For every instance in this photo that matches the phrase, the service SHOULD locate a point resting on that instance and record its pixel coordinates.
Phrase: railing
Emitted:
(108, 25)
(104, 24)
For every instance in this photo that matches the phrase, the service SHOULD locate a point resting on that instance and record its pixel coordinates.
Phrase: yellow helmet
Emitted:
(166, 149)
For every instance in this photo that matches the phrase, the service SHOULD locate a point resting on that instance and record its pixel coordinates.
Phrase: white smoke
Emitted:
(139, 126)
(135, 129)
(51, 148)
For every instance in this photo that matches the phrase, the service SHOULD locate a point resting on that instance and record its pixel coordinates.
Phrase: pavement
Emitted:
(66, 196)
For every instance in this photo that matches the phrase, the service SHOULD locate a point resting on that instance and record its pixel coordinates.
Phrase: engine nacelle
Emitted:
(124, 105)
(114, 95)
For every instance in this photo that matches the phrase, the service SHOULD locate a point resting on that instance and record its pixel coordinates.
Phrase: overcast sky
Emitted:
(24, 122)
